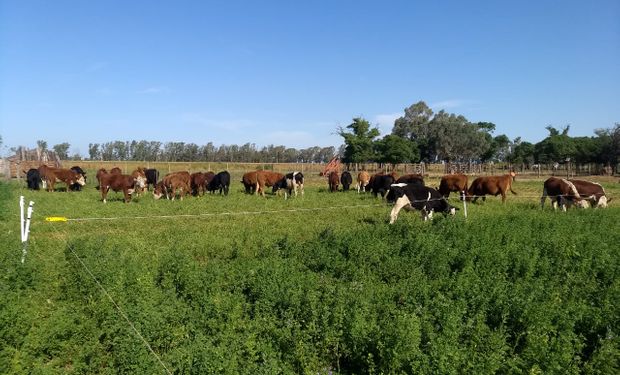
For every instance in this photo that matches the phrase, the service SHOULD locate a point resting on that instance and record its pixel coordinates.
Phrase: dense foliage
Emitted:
(511, 289)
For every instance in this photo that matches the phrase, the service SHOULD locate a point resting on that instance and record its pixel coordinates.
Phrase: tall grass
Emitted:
(510, 289)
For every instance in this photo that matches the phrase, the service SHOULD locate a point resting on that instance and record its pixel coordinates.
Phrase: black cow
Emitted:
(221, 182)
(33, 179)
(419, 197)
(346, 180)
(152, 176)
(76, 186)
(381, 183)
(292, 182)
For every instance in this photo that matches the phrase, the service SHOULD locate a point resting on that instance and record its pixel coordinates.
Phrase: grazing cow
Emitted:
(591, 192)
(453, 182)
(33, 178)
(560, 191)
(249, 181)
(363, 179)
(266, 179)
(172, 184)
(346, 180)
(53, 175)
(76, 186)
(411, 179)
(491, 185)
(152, 176)
(221, 182)
(419, 197)
(116, 182)
(381, 183)
(332, 180)
(292, 182)
(198, 183)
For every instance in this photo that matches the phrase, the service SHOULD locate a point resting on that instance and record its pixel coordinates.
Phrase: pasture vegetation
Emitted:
(510, 289)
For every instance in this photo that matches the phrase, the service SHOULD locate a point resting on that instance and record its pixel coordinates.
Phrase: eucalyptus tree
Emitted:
(359, 141)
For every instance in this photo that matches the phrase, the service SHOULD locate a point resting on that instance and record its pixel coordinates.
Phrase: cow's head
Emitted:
(80, 180)
(602, 202)
(159, 190)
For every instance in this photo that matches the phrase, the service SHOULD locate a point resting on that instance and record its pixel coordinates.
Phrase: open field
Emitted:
(315, 284)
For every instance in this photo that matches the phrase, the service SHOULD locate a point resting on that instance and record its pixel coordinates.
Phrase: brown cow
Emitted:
(266, 179)
(249, 181)
(591, 192)
(116, 170)
(491, 185)
(452, 182)
(116, 182)
(363, 180)
(413, 178)
(140, 176)
(560, 191)
(198, 183)
(171, 184)
(52, 175)
(333, 179)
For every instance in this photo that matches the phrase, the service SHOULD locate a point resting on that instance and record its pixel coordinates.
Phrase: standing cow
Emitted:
(249, 181)
(332, 181)
(491, 185)
(418, 197)
(33, 179)
(380, 184)
(266, 179)
(346, 180)
(363, 179)
(221, 182)
(453, 183)
(291, 183)
(152, 176)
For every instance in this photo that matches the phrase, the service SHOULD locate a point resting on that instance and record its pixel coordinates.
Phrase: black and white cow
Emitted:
(152, 176)
(292, 183)
(76, 186)
(418, 197)
(346, 180)
(221, 182)
(33, 179)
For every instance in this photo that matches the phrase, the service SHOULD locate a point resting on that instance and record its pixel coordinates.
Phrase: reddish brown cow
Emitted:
(52, 175)
(560, 191)
(363, 180)
(116, 182)
(266, 179)
(198, 183)
(116, 170)
(591, 192)
(333, 180)
(452, 182)
(173, 183)
(249, 181)
(491, 185)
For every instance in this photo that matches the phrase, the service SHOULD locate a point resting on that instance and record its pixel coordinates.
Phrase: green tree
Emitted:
(42, 145)
(358, 142)
(62, 150)
(393, 149)
(557, 147)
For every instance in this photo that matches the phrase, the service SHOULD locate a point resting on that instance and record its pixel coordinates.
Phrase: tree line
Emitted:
(422, 135)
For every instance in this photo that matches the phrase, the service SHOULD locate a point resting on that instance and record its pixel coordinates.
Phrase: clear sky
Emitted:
(291, 72)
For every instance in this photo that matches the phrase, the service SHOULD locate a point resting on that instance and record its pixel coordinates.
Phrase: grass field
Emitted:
(315, 284)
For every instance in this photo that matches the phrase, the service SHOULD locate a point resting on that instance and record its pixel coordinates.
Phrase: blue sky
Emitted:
(284, 72)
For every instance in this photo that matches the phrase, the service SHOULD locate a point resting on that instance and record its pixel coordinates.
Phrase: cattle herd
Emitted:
(408, 191)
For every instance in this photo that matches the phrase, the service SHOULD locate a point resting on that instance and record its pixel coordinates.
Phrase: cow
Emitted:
(117, 182)
(33, 179)
(491, 185)
(363, 179)
(116, 170)
(76, 186)
(140, 177)
(221, 182)
(291, 183)
(346, 180)
(453, 182)
(418, 197)
(332, 181)
(53, 175)
(591, 192)
(198, 183)
(249, 181)
(172, 184)
(266, 179)
(410, 179)
(152, 176)
(380, 184)
(100, 172)
(560, 191)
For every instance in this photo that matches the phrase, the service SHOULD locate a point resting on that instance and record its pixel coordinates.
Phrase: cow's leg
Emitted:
(400, 203)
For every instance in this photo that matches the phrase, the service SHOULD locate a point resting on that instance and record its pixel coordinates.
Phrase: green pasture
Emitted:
(313, 284)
